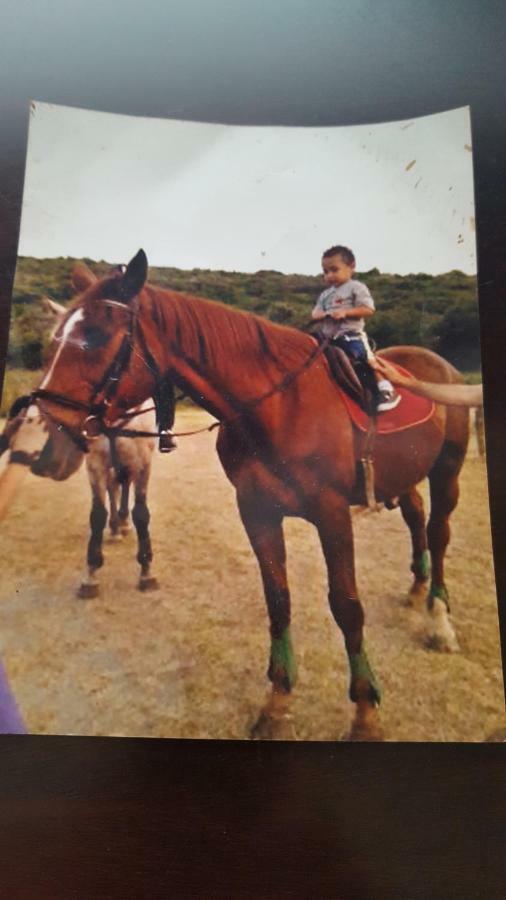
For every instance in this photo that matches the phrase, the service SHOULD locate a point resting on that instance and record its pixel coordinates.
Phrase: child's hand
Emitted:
(338, 314)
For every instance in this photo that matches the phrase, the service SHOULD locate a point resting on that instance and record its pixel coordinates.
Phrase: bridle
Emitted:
(104, 392)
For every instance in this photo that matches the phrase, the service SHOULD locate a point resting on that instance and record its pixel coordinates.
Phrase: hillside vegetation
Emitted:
(439, 312)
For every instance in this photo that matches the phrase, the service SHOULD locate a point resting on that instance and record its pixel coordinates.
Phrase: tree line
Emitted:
(439, 312)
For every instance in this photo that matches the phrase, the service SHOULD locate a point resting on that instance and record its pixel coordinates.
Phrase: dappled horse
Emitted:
(113, 467)
(286, 443)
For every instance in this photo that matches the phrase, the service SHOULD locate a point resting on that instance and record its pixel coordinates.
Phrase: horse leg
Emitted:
(331, 515)
(89, 587)
(123, 514)
(141, 517)
(266, 537)
(413, 513)
(112, 491)
(444, 494)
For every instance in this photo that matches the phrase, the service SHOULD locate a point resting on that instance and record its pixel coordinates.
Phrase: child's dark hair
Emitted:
(345, 253)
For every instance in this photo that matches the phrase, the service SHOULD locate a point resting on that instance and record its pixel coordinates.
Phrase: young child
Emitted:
(345, 304)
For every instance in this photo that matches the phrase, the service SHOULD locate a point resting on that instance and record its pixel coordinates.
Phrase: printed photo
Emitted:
(243, 488)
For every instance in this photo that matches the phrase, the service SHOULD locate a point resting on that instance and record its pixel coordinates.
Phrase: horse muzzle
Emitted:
(57, 462)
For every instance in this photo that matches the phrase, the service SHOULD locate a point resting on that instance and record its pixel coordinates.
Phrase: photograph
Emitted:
(243, 446)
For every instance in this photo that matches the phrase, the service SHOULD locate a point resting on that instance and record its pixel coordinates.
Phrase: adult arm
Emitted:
(450, 394)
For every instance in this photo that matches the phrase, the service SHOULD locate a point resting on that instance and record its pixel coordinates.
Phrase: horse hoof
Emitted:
(124, 530)
(88, 591)
(115, 538)
(497, 737)
(361, 732)
(417, 595)
(442, 643)
(439, 628)
(267, 728)
(148, 584)
(366, 725)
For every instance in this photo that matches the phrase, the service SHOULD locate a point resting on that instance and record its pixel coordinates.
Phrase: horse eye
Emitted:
(94, 338)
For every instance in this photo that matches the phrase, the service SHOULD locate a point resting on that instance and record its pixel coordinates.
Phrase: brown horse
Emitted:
(288, 452)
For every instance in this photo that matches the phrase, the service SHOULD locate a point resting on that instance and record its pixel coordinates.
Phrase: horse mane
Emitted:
(213, 333)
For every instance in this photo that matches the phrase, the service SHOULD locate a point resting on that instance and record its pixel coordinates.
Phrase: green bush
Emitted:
(439, 312)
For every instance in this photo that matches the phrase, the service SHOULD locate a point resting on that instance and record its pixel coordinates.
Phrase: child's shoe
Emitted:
(388, 398)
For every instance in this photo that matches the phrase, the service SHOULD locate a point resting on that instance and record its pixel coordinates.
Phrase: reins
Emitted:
(280, 386)
(119, 431)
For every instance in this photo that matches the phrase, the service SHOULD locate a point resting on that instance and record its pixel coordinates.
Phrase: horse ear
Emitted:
(134, 277)
(55, 308)
(82, 277)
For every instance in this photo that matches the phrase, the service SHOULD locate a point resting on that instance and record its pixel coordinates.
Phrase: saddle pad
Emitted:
(411, 411)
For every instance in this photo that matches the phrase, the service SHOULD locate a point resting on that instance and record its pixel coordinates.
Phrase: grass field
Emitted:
(189, 660)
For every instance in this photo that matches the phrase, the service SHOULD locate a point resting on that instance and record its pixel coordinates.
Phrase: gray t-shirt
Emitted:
(346, 296)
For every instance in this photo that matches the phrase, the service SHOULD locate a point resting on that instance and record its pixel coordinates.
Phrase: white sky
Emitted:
(245, 198)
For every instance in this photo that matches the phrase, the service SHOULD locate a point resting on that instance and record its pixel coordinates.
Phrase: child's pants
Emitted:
(357, 349)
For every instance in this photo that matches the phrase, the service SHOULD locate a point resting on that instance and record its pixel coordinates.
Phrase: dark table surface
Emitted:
(124, 818)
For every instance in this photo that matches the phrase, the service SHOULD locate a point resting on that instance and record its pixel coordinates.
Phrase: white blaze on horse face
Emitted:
(77, 316)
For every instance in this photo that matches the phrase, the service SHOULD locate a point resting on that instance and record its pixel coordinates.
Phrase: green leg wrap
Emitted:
(361, 671)
(282, 666)
(421, 566)
(439, 592)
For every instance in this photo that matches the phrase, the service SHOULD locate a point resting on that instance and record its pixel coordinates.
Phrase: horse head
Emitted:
(93, 351)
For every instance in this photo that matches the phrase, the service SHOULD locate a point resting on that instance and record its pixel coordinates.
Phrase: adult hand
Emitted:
(391, 373)
(470, 395)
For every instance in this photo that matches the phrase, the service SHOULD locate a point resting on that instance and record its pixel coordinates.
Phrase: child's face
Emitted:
(335, 270)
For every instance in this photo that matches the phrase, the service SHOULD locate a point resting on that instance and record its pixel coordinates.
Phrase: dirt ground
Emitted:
(189, 660)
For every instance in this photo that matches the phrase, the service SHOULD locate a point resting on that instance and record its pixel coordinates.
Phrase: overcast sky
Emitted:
(247, 198)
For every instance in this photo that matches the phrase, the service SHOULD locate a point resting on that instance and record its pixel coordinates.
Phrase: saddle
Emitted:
(412, 411)
(342, 369)
(347, 379)
(359, 403)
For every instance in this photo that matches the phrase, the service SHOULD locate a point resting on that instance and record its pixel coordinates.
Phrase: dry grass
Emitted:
(189, 660)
